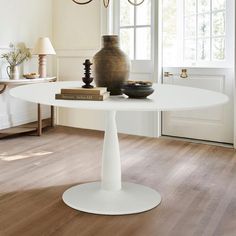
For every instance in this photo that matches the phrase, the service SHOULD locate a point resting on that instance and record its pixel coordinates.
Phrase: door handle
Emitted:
(167, 74)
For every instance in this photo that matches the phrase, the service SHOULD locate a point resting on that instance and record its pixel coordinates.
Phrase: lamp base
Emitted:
(42, 66)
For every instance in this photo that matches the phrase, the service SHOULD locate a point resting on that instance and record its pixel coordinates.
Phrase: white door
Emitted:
(198, 35)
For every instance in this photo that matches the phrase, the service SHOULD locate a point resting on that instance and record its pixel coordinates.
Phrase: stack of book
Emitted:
(94, 94)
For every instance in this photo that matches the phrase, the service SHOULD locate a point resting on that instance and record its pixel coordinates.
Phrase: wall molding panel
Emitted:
(78, 53)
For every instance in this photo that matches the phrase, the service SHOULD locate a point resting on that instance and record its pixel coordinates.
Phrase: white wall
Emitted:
(77, 35)
(21, 21)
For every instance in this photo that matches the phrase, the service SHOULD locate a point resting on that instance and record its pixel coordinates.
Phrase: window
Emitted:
(134, 28)
(194, 32)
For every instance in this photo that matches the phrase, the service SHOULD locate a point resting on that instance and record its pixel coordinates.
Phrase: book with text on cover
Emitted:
(84, 91)
(89, 97)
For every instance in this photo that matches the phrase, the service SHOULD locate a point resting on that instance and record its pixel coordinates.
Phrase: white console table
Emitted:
(4, 83)
(111, 196)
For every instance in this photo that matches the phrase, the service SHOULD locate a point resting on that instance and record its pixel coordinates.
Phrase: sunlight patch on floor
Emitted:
(6, 157)
(182, 171)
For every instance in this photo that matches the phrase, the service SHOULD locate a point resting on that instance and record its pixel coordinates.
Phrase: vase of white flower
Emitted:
(13, 72)
(15, 58)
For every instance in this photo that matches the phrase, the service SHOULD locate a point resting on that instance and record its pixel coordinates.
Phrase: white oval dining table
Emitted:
(111, 196)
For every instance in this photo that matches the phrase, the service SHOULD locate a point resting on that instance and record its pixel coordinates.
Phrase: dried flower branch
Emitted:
(17, 55)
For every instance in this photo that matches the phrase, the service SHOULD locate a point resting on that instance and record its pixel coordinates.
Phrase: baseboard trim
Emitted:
(199, 141)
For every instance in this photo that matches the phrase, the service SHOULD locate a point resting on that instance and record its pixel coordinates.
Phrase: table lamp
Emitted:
(43, 48)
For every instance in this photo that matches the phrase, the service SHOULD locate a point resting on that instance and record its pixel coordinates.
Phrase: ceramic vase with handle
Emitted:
(111, 65)
(13, 72)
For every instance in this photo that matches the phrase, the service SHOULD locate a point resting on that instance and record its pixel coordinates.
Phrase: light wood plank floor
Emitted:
(197, 183)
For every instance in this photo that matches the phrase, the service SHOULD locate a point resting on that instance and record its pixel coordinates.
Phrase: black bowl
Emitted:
(137, 84)
(137, 89)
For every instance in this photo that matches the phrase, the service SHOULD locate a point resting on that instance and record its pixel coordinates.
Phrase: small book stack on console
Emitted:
(92, 94)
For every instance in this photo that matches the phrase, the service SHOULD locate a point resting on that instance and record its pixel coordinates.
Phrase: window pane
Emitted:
(204, 49)
(218, 4)
(144, 13)
(218, 48)
(204, 25)
(126, 13)
(143, 43)
(190, 27)
(170, 47)
(218, 23)
(204, 6)
(127, 42)
(190, 50)
(190, 7)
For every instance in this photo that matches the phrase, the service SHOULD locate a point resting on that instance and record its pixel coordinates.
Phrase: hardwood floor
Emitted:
(197, 183)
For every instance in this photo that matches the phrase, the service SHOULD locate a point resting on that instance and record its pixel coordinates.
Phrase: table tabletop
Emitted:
(165, 98)
(26, 81)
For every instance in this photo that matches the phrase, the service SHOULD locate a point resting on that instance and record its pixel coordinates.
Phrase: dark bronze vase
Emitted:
(111, 65)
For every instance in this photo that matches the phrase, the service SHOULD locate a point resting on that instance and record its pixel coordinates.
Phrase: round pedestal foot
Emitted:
(90, 198)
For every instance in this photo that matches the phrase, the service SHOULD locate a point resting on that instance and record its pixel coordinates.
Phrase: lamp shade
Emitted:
(44, 47)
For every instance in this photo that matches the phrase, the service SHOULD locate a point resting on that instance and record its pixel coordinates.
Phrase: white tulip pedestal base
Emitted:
(111, 196)
(130, 199)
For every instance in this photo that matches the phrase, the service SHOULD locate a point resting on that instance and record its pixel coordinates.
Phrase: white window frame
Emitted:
(137, 66)
(229, 37)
